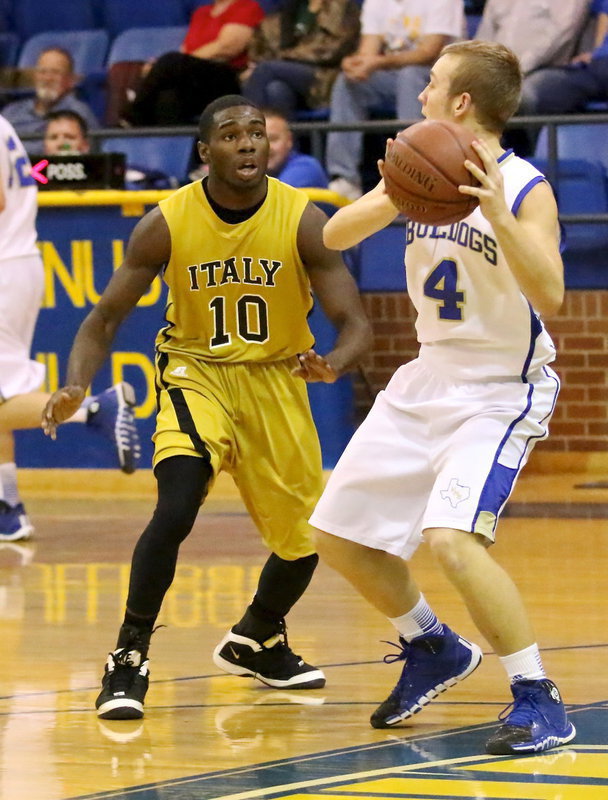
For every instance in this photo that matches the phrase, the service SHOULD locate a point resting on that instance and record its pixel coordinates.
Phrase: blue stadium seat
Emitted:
(168, 154)
(581, 188)
(118, 15)
(9, 48)
(88, 48)
(36, 16)
(141, 44)
(576, 140)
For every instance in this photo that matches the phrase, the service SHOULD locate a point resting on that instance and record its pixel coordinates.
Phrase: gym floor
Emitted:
(209, 735)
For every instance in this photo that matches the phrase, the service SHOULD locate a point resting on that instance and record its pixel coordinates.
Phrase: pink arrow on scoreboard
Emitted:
(36, 172)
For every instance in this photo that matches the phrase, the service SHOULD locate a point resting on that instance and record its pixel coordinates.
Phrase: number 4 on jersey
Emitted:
(440, 285)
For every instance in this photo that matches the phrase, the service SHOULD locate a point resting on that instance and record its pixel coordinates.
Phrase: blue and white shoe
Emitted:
(432, 665)
(111, 412)
(14, 523)
(535, 721)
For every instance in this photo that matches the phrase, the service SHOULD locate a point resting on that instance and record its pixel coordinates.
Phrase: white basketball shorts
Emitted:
(434, 453)
(21, 292)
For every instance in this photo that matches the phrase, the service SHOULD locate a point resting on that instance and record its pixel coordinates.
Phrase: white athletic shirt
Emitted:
(403, 22)
(473, 321)
(18, 220)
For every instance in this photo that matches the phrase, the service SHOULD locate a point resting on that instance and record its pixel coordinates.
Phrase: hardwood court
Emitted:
(208, 735)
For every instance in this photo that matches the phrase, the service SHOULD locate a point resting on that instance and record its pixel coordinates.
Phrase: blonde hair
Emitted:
(490, 73)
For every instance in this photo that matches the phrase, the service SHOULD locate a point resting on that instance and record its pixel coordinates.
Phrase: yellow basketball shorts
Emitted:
(253, 421)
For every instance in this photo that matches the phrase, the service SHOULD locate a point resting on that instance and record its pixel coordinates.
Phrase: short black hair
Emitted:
(205, 122)
(66, 113)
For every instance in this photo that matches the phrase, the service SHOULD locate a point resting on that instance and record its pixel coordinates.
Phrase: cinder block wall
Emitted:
(580, 332)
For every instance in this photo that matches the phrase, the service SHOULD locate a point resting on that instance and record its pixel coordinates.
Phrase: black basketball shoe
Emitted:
(126, 676)
(273, 662)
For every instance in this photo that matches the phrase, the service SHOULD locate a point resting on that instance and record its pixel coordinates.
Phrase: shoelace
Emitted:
(124, 671)
(402, 655)
(521, 712)
(283, 643)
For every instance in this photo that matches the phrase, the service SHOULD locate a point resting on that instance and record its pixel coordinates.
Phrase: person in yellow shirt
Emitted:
(242, 254)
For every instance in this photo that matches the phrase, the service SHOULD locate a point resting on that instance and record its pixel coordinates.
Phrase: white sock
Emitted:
(420, 621)
(526, 665)
(8, 483)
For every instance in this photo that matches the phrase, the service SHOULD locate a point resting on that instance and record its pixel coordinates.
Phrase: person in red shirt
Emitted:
(180, 84)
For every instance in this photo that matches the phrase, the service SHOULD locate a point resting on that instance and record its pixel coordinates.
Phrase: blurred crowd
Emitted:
(339, 60)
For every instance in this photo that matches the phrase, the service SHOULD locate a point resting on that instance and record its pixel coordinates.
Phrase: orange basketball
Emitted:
(424, 167)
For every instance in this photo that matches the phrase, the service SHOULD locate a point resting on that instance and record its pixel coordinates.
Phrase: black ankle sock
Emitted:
(259, 623)
(143, 623)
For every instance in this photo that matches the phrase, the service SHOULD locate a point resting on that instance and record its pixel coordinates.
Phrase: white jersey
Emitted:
(473, 321)
(18, 219)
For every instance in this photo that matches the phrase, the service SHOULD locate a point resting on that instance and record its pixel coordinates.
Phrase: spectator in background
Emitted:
(67, 133)
(286, 163)
(400, 40)
(561, 90)
(296, 53)
(180, 84)
(54, 82)
(541, 34)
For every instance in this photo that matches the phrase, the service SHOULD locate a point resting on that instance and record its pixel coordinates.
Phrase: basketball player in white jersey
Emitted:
(441, 449)
(21, 290)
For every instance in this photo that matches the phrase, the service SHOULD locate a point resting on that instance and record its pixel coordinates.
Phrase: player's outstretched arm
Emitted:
(148, 250)
(338, 294)
(356, 221)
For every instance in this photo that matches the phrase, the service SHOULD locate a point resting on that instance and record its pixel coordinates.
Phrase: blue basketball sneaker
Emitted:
(111, 413)
(14, 523)
(432, 665)
(536, 720)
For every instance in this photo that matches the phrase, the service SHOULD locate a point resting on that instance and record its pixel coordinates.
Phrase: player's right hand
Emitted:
(62, 405)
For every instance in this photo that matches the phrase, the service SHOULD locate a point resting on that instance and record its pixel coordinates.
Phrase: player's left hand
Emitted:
(314, 368)
(491, 189)
(62, 405)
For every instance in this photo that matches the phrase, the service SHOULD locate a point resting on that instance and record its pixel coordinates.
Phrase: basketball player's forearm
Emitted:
(90, 349)
(353, 343)
(355, 222)
(538, 273)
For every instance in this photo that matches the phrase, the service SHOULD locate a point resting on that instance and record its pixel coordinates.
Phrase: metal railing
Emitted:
(318, 130)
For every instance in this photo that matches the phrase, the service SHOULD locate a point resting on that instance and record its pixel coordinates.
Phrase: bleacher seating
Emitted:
(168, 154)
(9, 49)
(88, 48)
(30, 17)
(118, 15)
(573, 141)
(142, 44)
(581, 188)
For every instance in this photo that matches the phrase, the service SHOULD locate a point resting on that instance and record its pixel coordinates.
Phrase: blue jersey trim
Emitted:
(500, 480)
(519, 199)
(536, 328)
(547, 416)
(506, 154)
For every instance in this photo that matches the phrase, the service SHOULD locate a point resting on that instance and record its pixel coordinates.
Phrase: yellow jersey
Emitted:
(237, 292)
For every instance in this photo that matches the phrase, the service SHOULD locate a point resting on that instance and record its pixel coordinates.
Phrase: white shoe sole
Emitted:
(303, 681)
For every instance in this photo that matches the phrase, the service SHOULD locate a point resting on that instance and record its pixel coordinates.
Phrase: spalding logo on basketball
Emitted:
(424, 167)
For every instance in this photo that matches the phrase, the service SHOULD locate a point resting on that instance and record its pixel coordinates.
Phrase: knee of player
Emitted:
(450, 548)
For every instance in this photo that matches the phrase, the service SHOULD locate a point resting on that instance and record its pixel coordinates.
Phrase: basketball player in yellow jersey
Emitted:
(240, 253)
